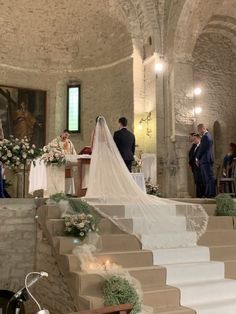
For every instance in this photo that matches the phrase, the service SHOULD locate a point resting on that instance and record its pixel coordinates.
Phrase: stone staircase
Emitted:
(118, 247)
(221, 240)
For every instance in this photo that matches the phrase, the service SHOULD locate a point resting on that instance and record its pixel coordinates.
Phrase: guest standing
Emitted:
(229, 157)
(125, 142)
(200, 192)
(192, 149)
(205, 160)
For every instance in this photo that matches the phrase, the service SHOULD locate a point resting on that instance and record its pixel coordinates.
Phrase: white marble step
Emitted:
(168, 240)
(181, 255)
(207, 292)
(139, 210)
(194, 272)
(216, 307)
(153, 211)
(163, 224)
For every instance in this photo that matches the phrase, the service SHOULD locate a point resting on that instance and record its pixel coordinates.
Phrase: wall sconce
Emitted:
(147, 120)
(197, 91)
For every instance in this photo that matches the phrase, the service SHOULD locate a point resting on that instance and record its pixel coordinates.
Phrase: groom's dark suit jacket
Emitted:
(125, 141)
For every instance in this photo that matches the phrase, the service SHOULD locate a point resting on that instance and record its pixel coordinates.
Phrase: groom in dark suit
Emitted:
(125, 142)
(205, 160)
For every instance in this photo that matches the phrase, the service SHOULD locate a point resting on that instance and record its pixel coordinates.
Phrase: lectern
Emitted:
(83, 169)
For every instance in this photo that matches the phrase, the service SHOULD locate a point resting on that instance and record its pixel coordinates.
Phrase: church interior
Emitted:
(169, 67)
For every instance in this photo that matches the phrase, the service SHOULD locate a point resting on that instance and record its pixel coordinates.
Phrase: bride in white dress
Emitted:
(110, 182)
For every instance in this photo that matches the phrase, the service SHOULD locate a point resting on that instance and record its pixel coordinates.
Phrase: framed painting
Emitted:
(23, 113)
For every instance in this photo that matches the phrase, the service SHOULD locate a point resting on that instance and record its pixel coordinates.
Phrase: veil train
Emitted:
(110, 182)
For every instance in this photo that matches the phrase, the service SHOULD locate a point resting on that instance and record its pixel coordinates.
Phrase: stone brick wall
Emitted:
(22, 250)
(52, 292)
(215, 72)
(17, 242)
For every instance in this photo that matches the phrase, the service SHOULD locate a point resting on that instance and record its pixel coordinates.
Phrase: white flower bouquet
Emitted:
(16, 154)
(137, 164)
(79, 225)
(53, 155)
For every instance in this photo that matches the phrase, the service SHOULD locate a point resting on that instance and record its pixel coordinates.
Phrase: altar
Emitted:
(70, 178)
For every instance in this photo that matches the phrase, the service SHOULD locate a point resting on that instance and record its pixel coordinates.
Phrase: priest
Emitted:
(68, 149)
(64, 143)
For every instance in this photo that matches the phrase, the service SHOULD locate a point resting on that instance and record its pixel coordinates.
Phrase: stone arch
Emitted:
(199, 16)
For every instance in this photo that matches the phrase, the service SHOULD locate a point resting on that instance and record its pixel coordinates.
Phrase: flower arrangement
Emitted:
(137, 164)
(79, 225)
(53, 155)
(16, 153)
(118, 290)
(152, 189)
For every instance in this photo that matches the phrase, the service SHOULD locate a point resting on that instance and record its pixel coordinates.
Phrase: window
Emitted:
(73, 108)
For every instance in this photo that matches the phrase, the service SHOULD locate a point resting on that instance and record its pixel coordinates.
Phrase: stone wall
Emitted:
(215, 72)
(52, 292)
(17, 243)
(24, 249)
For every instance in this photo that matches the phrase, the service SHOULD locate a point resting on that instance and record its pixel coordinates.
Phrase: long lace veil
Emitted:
(110, 182)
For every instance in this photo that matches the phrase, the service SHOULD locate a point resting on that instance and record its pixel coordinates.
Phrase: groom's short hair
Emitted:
(123, 121)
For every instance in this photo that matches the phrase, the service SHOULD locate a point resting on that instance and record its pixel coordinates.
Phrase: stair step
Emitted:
(163, 224)
(219, 237)
(174, 310)
(217, 307)
(92, 283)
(125, 259)
(222, 252)
(161, 297)
(220, 222)
(149, 276)
(230, 269)
(181, 255)
(57, 227)
(209, 291)
(106, 243)
(132, 210)
(169, 240)
(194, 272)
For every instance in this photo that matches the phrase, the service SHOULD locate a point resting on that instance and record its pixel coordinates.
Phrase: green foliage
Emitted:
(80, 206)
(225, 205)
(118, 290)
(57, 197)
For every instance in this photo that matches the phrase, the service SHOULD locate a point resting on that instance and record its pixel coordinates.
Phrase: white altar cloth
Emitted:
(139, 179)
(55, 180)
(37, 176)
(149, 167)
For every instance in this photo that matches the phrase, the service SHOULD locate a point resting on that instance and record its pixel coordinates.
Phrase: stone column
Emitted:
(181, 123)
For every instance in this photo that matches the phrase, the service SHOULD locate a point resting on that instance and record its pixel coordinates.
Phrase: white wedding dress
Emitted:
(169, 229)
(110, 182)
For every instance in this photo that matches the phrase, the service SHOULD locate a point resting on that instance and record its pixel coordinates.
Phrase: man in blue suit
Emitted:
(205, 160)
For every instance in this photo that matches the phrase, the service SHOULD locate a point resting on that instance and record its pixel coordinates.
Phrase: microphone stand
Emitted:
(24, 294)
(23, 297)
